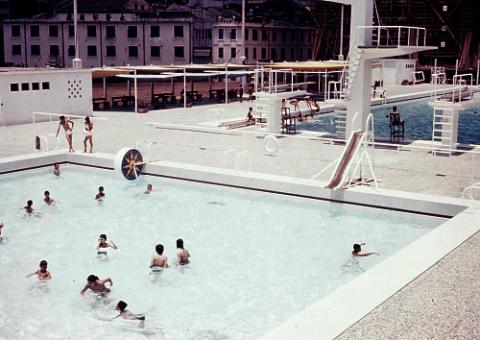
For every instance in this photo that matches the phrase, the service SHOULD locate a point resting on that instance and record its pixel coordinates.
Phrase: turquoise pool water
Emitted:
(257, 258)
(418, 117)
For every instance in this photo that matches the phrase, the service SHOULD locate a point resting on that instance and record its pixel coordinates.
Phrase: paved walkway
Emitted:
(442, 303)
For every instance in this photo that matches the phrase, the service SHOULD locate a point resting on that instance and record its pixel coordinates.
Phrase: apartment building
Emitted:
(275, 41)
(103, 39)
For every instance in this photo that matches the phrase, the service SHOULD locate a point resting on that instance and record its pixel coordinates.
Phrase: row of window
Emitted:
(110, 31)
(264, 33)
(26, 86)
(111, 51)
(273, 53)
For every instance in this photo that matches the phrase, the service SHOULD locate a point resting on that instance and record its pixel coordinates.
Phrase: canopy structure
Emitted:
(308, 66)
(105, 72)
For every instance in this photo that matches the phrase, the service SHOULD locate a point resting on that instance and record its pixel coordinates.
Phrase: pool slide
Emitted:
(351, 149)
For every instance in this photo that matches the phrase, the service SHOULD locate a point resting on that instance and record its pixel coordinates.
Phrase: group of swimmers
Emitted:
(68, 125)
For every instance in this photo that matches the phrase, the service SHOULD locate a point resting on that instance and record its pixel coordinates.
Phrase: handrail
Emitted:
(401, 29)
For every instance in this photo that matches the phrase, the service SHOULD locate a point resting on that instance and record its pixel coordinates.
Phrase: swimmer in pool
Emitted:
(48, 199)
(357, 250)
(67, 125)
(1, 226)
(101, 194)
(97, 285)
(159, 261)
(56, 169)
(182, 253)
(149, 189)
(102, 245)
(121, 307)
(29, 207)
(43, 274)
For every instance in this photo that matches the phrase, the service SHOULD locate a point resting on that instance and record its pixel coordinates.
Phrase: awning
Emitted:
(105, 72)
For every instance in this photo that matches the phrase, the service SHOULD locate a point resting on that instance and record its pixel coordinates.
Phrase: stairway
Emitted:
(341, 123)
(353, 65)
(442, 131)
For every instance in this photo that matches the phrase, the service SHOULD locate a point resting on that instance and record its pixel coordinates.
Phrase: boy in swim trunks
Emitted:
(43, 274)
(357, 250)
(48, 199)
(159, 261)
(149, 189)
(103, 245)
(56, 169)
(121, 307)
(67, 125)
(182, 253)
(101, 194)
(97, 285)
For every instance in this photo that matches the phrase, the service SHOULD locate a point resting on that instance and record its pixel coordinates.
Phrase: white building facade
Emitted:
(276, 41)
(114, 39)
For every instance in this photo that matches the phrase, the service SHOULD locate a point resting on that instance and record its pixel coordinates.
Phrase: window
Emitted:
(111, 51)
(254, 53)
(179, 53)
(178, 32)
(15, 30)
(71, 50)
(300, 54)
(35, 86)
(91, 50)
(302, 37)
(35, 50)
(34, 31)
(246, 52)
(282, 53)
(155, 51)
(233, 34)
(132, 31)
(46, 85)
(71, 31)
(54, 50)
(110, 31)
(264, 53)
(16, 49)
(91, 31)
(255, 35)
(246, 34)
(284, 36)
(209, 34)
(264, 35)
(133, 51)
(154, 31)
(220, 33)
(233, 52)
(274, 36)
(14, 87)
(292, 53)
(220, 52)
(25, 86)
(53, 31)
(274, 53)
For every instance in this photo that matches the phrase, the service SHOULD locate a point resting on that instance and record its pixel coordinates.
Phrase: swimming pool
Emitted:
(418, 117)
(257, 258)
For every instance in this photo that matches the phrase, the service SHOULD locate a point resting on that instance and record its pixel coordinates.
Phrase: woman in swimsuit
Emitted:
(67, 125)
(43, 274)
(88, 134)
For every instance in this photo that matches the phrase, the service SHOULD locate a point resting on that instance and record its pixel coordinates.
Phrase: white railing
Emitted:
(462, 89)
(396, 35)
(419, 79)
(68, 116)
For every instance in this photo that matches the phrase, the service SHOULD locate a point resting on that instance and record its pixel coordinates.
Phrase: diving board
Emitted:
(345, 161)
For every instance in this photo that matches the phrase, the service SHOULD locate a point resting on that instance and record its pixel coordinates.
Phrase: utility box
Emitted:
(395, 71)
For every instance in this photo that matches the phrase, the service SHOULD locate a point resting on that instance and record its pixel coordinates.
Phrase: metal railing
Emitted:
(396, 35)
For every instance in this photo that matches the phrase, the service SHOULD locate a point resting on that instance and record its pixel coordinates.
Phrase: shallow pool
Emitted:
(418, 117)
(257, 258)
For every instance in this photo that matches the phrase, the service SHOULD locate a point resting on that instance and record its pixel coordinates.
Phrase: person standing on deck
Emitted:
(88, 127)
(67, 125)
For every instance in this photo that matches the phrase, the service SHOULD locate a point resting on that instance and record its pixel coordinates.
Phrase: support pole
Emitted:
(478, 67)
(135, 90)
(340, 55)
(105, 87)
(226, 83)
(184, 88)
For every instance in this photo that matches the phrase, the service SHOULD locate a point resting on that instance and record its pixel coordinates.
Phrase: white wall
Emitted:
(395, 71)
(70, 92)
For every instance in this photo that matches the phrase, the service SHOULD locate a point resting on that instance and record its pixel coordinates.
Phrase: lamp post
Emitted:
(76, 62)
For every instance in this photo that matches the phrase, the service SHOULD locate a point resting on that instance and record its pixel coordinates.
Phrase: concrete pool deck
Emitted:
(441, 303)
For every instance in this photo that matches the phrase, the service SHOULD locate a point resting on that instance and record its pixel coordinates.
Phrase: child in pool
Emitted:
(149, 189)
(43, 274)
(102, 245)
(121, 307)
(56, 169)
(182, 253)
(97, 285)
(159, 261)
(1, 226)
(357, 250)
(48, 199)
(29, 207)
(101, 194)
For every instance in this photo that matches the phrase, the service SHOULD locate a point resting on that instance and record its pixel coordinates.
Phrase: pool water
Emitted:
(418, 117)
(257, 258)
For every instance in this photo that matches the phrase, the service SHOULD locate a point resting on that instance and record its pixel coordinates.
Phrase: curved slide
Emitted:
(354, 143)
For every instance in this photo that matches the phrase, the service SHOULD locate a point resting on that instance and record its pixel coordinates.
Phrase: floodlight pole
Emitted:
(76, 62)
